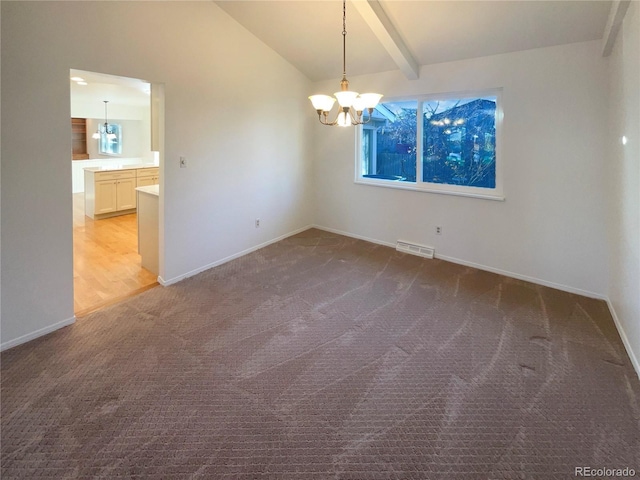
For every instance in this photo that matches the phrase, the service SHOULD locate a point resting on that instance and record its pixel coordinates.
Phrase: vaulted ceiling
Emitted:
(309, 33)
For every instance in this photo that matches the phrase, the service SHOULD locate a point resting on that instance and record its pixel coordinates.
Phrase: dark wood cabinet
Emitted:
(79, 139)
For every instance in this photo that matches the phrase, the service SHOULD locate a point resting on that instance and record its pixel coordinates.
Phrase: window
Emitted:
(111, 146)
(451, 147)
(389, 142)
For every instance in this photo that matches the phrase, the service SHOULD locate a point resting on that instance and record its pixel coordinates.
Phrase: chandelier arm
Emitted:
(336, 120)
(329, 124)
(370, 110)
(324, 115)
(354, 117)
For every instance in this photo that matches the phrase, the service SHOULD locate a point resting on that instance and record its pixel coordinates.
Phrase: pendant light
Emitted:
(106, 128)
(351, 104)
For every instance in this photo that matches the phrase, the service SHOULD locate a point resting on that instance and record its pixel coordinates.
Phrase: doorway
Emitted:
(112, 122)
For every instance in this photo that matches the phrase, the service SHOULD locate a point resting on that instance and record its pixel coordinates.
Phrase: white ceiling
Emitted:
(308, 33)
(117, 90)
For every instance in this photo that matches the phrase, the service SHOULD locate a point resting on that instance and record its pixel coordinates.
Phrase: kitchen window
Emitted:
(443, 144)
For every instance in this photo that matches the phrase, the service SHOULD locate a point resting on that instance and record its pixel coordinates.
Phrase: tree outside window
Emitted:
(451, 147)
(459, 142)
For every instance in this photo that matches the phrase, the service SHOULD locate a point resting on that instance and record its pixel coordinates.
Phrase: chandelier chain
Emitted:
(351, 104)
(107, 127)
(344, 38)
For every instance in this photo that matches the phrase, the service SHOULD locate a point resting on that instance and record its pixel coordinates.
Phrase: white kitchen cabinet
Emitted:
(148, 229)
(126, 193)
(146, 181)
(105, 197)
(147, 176)
(109, 193)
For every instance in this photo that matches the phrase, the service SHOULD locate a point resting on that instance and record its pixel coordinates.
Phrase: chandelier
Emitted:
(351, 104)
(106, 128)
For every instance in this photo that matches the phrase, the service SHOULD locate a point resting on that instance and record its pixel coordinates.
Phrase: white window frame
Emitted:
(496, 193)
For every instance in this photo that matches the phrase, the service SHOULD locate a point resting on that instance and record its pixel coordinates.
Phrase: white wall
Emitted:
(624, 167)
(135, 121)
(80, 107)
(234, 108)
(551, 226)
(136, 139)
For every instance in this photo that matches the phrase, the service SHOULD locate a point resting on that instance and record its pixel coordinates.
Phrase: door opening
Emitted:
(112, 122)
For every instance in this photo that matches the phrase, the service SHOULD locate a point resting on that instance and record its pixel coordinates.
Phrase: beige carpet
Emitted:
(326, 357)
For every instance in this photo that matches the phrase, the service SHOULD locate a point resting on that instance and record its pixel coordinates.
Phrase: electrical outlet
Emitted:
(257, 223)
(438, 230)
(183, 162)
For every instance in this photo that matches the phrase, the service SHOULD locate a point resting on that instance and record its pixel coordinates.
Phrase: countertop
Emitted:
(150, 189)
(120, 167)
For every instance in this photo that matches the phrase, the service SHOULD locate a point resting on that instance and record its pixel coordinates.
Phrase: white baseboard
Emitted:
(506, 273)
(526, 278)
(176, 279)
(51, 328)
(538, 281)
(38, 333)
(353, 235)
(625, 339)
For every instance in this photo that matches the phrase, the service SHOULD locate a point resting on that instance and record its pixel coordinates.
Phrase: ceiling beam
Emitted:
(616, 15)
(383, 29)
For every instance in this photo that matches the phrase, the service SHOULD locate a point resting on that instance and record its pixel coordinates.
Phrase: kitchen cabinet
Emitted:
(109, 193)
(105, 197)
(125, 194)
(148, 229)
(147, 176)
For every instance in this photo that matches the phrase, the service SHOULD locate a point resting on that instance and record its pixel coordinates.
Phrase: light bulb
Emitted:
(344, 119)
(96, 135)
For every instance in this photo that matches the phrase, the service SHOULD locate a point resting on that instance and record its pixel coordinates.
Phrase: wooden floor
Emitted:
(106, 264)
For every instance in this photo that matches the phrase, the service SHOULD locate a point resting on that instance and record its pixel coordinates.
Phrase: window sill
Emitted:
(414, 187)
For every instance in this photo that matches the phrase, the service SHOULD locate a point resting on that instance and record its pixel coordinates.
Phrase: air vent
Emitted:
(414, 249)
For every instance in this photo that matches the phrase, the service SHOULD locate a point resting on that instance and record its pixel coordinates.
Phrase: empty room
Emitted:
(392, 240)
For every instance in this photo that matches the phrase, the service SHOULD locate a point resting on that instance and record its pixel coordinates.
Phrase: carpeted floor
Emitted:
(325, 357)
